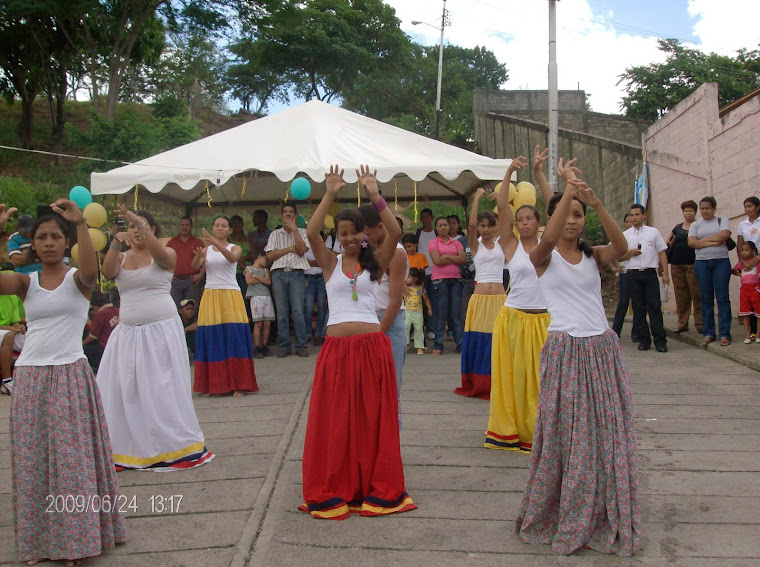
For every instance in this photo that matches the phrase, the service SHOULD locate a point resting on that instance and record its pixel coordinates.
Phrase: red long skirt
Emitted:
(352, 454)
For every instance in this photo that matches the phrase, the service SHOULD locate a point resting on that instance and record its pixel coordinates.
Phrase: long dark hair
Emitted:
(583, 245)
(366, 254)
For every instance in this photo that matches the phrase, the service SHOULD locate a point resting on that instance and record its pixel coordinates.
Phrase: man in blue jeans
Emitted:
(286, 248)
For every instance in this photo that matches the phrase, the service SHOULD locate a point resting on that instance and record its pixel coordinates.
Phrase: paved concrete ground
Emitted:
(698, 427)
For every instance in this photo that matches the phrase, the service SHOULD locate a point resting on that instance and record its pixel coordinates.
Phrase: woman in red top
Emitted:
(447, 254)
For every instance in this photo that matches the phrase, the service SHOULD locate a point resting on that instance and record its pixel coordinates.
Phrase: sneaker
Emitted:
(757, 340)
(265, 351)
(257, 353)
(748, 341)
(303, 353)
(4, 389)
(284, 353)
(420, 351)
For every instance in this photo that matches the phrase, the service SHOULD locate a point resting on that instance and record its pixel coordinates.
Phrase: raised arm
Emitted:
(618, 245)
(387, 249)
(323, 255)
(112, 261)
(232, 255)
(472, 222)
(163, 256)
(542, 252)
(539, 158)
(87, 274)
(507, 238)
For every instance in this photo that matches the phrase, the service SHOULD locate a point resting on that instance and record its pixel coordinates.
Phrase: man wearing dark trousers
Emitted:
(624, 296)
(644, 259)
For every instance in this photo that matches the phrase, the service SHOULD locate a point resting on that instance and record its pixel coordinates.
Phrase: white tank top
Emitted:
(145, 295)
(574, 297)
(220, 273)
(384, 293)
(524, 291)
(343, 308)
(489, 264)
(55, 321)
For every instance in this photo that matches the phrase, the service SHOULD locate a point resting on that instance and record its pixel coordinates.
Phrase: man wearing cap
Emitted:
(20, 247)
(186, 283)
(189, 315)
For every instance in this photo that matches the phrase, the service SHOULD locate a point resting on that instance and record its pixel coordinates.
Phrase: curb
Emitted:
(249, 537)
(695, 340)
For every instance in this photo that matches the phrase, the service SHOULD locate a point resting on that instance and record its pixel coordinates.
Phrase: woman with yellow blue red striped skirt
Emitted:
(485, 302)
(223, 347)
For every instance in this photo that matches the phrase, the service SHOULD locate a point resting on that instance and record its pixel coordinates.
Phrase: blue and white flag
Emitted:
(641, 187)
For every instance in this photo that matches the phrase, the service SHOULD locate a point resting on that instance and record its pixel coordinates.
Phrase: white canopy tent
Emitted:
(254, 163)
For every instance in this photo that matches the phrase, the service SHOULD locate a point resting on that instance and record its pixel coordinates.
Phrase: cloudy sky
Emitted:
(596, 39)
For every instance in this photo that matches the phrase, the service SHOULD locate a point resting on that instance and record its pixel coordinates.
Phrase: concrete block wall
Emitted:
(692, 153)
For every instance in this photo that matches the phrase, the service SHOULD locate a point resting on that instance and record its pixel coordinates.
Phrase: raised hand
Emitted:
(5, 215)
(368, 180)
(208, 238)
(539, 158)
(197, 253)
(68, 210)
(520, 162)
(124, 238)
(567, 170)
(334, 180)
(127, 215)
(584, 193)
(479, 192)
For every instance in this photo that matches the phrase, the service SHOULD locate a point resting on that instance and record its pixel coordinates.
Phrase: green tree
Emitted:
(251, 81)
(405, 96)
(656, 88)
(324, 46)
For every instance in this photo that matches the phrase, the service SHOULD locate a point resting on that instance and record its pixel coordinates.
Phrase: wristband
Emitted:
(80, 221)
(117, 245)
(380, 204)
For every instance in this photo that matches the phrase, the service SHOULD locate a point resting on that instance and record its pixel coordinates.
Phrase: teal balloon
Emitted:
(81, 196)
(300, 222)
(300, 188)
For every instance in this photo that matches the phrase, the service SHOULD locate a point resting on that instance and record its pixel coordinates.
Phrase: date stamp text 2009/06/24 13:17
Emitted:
(121, 503)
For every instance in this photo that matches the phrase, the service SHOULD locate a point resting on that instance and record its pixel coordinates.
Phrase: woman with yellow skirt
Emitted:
(521, 326)
(485, 302)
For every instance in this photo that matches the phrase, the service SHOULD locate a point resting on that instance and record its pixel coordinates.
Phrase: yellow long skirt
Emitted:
(518, 338)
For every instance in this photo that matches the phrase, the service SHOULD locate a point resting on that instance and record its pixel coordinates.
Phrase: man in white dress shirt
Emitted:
(646, 258)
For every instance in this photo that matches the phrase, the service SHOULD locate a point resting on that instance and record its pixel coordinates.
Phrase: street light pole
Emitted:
(553, 96)
(440, 74)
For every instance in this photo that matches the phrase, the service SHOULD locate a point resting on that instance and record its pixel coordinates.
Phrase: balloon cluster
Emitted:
(96, 216)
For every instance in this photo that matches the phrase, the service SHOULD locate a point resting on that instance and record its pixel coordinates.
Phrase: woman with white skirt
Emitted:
(144, 376)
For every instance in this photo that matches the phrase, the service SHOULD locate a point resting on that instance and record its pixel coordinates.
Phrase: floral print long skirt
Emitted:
(583, 480)
(66, 500)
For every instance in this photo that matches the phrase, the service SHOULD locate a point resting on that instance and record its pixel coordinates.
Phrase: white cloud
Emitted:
(726, 26)
(590, 53)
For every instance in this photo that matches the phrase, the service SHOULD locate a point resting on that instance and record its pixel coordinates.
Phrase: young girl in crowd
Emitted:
(582, 486)
(59, 438)
(446, 255)
(223, 349)
(352, 454)
(144, 376)
(262, 309)
(521, 327)
(749, 296)
(485, 302)
(413, 297)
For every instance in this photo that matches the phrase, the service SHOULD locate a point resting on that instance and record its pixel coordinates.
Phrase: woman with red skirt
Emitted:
(352, 453)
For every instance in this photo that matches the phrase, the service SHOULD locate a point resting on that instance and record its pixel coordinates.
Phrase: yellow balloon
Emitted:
(75, 253)
(96, 215)
(99, 239)
(497, 188)
(512, 192)
(524, 198)
(329, 222)
(526, 186)
(334, 209)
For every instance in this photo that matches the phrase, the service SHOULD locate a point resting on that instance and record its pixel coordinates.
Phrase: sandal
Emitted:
(707, 341)
(725, 341)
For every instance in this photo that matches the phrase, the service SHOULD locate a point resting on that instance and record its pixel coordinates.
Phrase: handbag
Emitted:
(730, 244)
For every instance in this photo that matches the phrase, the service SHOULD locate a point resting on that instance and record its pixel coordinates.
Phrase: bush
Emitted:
(19, 193)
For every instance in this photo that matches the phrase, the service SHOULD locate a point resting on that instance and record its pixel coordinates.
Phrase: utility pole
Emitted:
(440, 75)
(553, 96)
